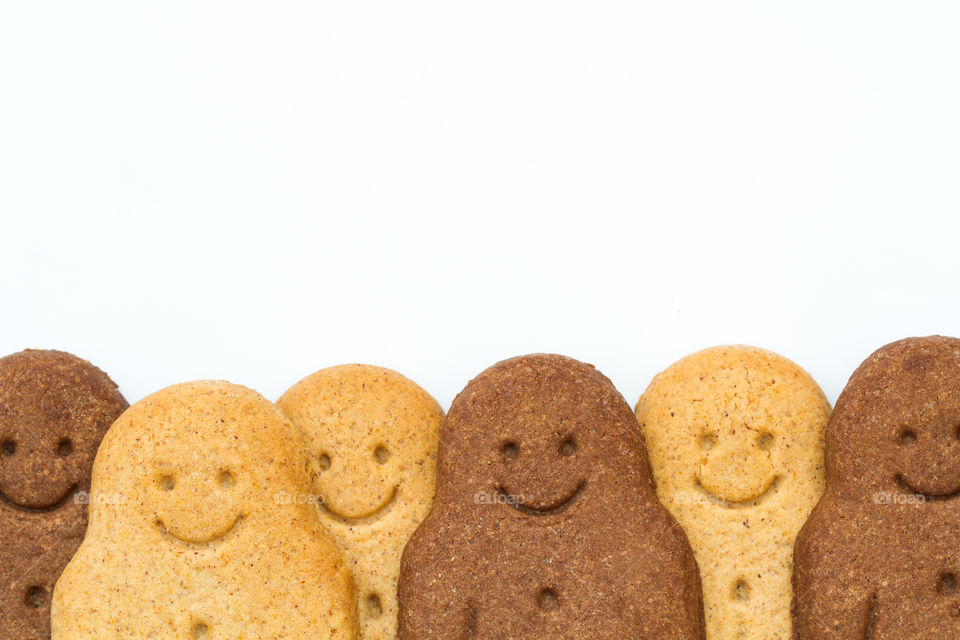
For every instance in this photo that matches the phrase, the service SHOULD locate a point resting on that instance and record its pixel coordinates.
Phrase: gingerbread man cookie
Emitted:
(735, 436)
(372, 438)
(54, 410)
(879, 557)
(200, 529)
(545, 524)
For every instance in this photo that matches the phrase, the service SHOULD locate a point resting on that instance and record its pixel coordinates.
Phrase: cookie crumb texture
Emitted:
(879, 557)
(54, 410)
(372, 438)
(735, 436)
(545, 524)
(198, 530)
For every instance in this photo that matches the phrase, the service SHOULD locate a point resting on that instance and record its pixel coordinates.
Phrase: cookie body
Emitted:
(54, 410)
(879, 557)
(196, 530)
(735, 436)
(372, 438)
(545, 523)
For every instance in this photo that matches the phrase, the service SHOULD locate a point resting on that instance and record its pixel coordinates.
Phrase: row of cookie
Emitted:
(212, 513)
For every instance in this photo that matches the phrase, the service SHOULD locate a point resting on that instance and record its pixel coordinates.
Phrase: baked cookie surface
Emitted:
(198, 530)
(735, 436)
(545, 524)
(54, 410)
(372, 438)
(879, 557)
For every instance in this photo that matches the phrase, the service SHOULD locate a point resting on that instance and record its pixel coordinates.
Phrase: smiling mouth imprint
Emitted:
(25, 508)
(386, 504)
(928, 496)
(212, 538)
(558, 506)
(738, 504)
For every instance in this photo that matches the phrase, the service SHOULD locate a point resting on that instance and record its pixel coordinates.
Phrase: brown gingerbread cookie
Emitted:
(879, 557)
(545, 523)
(54, 410)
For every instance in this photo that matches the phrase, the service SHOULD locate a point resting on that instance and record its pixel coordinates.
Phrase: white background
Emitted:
(255, 191)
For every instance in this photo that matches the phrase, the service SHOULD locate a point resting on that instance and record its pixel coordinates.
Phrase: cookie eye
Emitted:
(509, 450)
(947, 584)
(8, 448)
(34, 597)
(381, 454)
(568, 448)
(226, 479)
(908, 437)
(707, 441)
(166, 482)
(64, 447)
(323, 462)
(765, 441)
(547, 599)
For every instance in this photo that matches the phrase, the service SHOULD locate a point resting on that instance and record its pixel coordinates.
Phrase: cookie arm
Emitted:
(830, 600)
(672, 565)
(423, 616)
(433, 604)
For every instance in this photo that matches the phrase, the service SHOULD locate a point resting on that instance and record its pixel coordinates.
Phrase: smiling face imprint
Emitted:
(539, 473)
(197, 503)
(927, 459)
(49, 477)
(45, 455)
(737, 466)
(356, 483)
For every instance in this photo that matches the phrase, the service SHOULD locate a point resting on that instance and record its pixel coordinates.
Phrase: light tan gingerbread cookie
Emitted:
(735, 436)
(196, 531)
(372, 436)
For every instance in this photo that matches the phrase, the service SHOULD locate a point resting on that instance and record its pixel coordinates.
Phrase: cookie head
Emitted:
(736, 422)
(526, 431)
(897, 424)
(196, 464)
(54, 410)
(371, 435)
